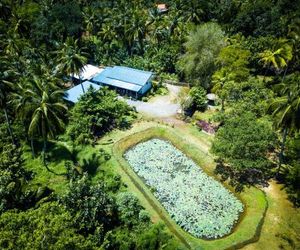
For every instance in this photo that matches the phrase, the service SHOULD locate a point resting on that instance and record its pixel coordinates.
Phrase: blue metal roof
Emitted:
(126, 74)
(120, 84)
(103, 75)
(124, 77)
(74, 93)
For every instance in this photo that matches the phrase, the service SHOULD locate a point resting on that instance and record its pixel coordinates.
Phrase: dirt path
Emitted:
(281, 229)
(170, 98)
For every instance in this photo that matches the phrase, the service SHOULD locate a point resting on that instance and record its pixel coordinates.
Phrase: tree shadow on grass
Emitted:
(91, 164)
(240, 179)
(56, 152)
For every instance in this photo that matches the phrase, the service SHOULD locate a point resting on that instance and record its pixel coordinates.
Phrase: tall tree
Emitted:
(72, 58)
(233, 63)
(294, 38)
(42, 102)
(96, 113)
(286, 110)
(241, 146)
(202, 47)
(13, 178)
(277, 57)
(5, 89)
(90, 205)
(90, 20)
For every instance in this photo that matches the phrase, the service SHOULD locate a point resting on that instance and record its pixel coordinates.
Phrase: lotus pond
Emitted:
(198, 203)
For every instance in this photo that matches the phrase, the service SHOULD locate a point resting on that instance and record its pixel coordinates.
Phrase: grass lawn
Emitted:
(58, 153)
(206, 116)
(42, 177)
(282, 222)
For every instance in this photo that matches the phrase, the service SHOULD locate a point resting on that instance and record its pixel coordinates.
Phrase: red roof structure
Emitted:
(161, 7)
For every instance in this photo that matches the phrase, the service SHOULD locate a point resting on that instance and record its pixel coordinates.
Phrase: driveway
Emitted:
(159, 106)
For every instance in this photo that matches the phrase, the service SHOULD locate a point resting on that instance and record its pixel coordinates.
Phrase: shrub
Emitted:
(129, 208)
(91, 207)
(207, 127)
(199, 100)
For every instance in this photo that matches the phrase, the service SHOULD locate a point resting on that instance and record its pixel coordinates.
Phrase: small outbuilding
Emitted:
(162, 8)
(73, 94)
(125, 80)
(211, 99)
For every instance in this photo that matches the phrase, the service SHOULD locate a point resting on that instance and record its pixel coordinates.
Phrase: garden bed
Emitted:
(196, 201)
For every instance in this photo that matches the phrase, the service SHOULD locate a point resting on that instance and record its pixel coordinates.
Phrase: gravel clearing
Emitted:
(160, 106)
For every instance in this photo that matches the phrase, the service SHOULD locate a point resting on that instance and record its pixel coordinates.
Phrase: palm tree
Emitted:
(23, 108)
(278, 57)
(72, 58)
(193, 11)
(42, 102)
(90, 20)
(138, 28)
(5, 89)
(286, 110)
(158, 28)
(4, 86)
(294, 38)
(220, 79)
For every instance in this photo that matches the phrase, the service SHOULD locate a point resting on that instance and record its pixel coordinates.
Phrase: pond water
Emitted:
(197, 202)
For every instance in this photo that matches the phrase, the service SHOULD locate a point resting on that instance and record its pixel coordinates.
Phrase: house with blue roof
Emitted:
(125, 80)
(73, 94)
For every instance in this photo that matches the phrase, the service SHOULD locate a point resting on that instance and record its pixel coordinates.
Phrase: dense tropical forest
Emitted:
(59, 187)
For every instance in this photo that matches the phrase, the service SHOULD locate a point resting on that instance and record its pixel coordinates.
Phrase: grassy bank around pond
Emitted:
(247, 230)
(188, 139)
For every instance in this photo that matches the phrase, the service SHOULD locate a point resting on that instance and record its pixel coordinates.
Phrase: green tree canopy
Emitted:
(13, 178)
(199, 100)
(96, 113)
(241, 146)
(202, 47)
(234, 60)
(251, 95)
(277, 57)
(233, 68)
(49, 226)
(286, 107)
(93, 210)
(57, 21)
(43, 103)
